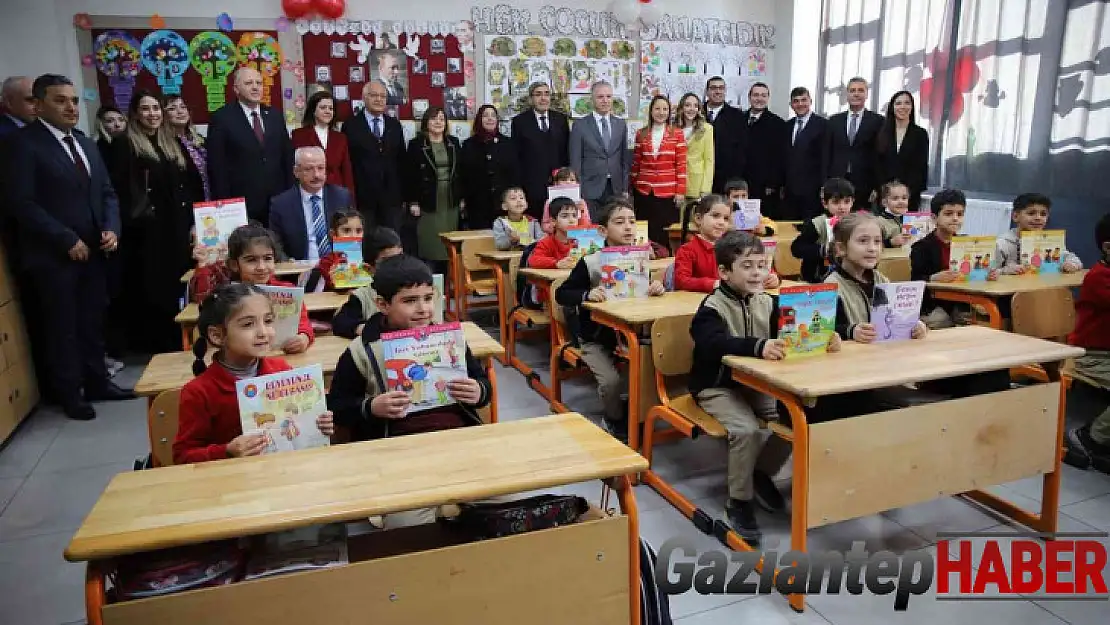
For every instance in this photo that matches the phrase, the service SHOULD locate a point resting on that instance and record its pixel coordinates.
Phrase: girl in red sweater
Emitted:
(695, 266)
(251, 254)
(237, 319)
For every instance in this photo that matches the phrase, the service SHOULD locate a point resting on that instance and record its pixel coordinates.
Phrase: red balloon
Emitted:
(296, 8)
(331, 9)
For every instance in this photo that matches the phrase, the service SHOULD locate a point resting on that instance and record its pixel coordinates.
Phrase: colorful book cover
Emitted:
(1042, 251)
(570, 191)
(586, 241)
(349, 272)
(916, 226)
(440, 300)
(746, 214)
(287, 302)
(214, 222)
(896, 308)
(625, 271)
(807, 318)
(770, 246)
(421, 361)
(642, 234)
(284, 407)
(972, 257)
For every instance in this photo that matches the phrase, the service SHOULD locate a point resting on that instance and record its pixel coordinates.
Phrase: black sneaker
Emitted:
(741, 516)
(618, 429)
(767, 495)
(1083, 451)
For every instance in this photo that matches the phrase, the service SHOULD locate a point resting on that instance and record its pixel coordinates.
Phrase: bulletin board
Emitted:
(675, 68)
(120, 67)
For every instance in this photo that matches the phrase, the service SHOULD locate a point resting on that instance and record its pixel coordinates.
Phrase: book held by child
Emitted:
(421, 361)
(214, 222)
(1042, 251)
(746, 215)
(770, 246)
(916, 226)
(283, 407)
(972, 257)
(641, 234)
(349, 271)
(287, 302)
(807, 318)
(569, 191)
(625, 271)
(585, 241)
(440, 300)
(895, 309)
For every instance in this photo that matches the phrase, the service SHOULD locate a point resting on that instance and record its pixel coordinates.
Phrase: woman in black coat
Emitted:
(489, 165)
(903, 148)
(433, 186)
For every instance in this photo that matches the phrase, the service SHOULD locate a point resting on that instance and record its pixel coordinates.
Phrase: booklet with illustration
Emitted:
(440, 300)
(746, 214)
(1042, 251)
(287, 302)
(916, 226)
(302, 549)
(585, 241)
(349, 272)
(625, 271)
(896, 308)
(570, 191)
(421, 361)
(972, 257)
(283, 407)
(214, 222)
(807, 318)
(770, 246)
(641, 234)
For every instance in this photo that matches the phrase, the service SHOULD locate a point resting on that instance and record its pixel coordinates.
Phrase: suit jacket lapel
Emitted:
(596, 132)
(300, 227)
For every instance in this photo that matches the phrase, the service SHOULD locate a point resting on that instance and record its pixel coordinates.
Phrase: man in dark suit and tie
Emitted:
(19, 104)
(598, 151)
(250, 154)
(805, 158)
(763, 151)
(389, 73)
(376, 143)
(850, 144)
(67, 221)
(541, 137)
(729, 134)
(300, 216)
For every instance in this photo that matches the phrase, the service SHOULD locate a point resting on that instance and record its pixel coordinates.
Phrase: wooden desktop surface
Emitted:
(194, 503)
(314, 302)
(634, 311)
(1008, 285)
(288, 268)
(459, 236)
(500, 256)
(941, 354)
(551, 275)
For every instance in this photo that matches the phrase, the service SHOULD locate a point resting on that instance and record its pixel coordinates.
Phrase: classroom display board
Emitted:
(568, 64)
(196, 64)
(674, 68)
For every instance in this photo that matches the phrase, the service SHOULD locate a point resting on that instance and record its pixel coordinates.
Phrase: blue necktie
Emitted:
(319, 228)
(378, 127)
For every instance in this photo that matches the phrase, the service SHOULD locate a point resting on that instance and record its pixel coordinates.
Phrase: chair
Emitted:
(477, 277)
(563, 351)
(895, 269)
(161, 422)
(786, 265)
(1046, 314)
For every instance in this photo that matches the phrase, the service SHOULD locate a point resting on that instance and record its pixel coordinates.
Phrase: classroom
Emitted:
(638, 311)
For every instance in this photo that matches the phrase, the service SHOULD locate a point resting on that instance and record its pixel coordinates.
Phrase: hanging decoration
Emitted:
(157, 22)
(117, 57)
(296, 9)
(165, 55)
(261, 52)
(224, 22)
(331, 9)
(82, 21)
(215, 57)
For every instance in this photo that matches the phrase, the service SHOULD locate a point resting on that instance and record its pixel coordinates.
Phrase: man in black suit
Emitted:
(541, 137)
(67, 220)
(805, 158)
(763, 151)
(249, 151)
(300, 216)
(376, 144)
(18, 102)
(850, 144)
(729, 134)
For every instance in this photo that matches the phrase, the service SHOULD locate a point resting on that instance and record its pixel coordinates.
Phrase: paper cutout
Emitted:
(287, 93)
(156, 22)
(362, 47)
(299, 103)
(297, 69)
(117, 57)
(215, 57)
(290, 118)
(412, 46)
(261, 52)
(340, 93)
(89, 95)
(82, 21)
(165, 54)
(224, 23)
(88, 60)
(281, 24)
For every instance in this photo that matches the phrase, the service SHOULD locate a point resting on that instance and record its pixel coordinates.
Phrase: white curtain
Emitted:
(1082, 119)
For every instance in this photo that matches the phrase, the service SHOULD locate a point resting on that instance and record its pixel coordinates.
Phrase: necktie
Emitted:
(256, 123)
(543, 123)
(605, 136)
(797, 129)
(72, 146)
(752, 119)
(319, 228)
(378, 127)
(711, 115)
(853, 126)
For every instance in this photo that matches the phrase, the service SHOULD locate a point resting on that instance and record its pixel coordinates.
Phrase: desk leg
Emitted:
(499, 278)
(186, 337)
(627, 499)
(94, 594)
(993, 314)
(455, 288)
(492, 373)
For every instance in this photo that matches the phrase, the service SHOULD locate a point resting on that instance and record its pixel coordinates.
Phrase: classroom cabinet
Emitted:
(18, 388)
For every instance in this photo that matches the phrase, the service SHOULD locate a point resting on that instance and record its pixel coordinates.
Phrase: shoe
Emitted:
(618, 429)
(80, 411)
(113, 366)
(741, 516)
(108, 392)
(767, 495)
(1082, 451)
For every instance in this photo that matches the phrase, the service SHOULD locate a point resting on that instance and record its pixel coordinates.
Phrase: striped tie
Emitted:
(319, 228)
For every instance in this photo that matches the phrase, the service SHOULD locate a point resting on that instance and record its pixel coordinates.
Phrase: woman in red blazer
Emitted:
(659, 171)
(318, 130)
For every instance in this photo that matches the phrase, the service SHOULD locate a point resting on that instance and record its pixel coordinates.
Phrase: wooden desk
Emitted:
(589, 571)
(855, 467)
(504, 264)
(453, 242)
(314, 302)
(787, 232)
(986, 293)
(283, 270)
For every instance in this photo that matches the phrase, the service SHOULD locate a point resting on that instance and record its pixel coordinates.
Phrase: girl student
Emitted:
(895, 199)
(236, 319)
(695, 264)
(251, 254)
(564, 176)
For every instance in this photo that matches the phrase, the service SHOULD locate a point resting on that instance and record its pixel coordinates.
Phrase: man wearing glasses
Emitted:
(377, 145)
(728, 134)
(19, 105)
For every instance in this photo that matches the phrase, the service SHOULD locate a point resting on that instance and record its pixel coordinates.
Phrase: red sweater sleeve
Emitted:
(684, 279)
(195, 429)
(305, 326)
(325, 265)
(543, 255)
(206, 279)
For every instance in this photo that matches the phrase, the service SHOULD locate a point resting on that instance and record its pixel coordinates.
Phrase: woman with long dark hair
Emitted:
(903, 148)
(489, 166)
(318, 129)
(434, 185)
(659, 171)
(196, 156)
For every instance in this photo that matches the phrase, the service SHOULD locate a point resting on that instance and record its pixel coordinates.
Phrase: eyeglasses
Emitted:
(376, 96)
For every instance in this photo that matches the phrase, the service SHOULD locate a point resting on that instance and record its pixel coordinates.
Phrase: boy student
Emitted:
(814, 242)
(378, 244)
(515, 229)
(1090, 444)
(358, 396)
(736, 190)
(1030, 215)
(617, 223)
(739, 318)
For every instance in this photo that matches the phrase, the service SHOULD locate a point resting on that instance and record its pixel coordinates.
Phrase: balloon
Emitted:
(331, 9)
(627, 11)
(650, 14)
(296, 8)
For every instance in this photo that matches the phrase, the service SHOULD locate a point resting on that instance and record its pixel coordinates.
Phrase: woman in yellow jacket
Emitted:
(699, 146)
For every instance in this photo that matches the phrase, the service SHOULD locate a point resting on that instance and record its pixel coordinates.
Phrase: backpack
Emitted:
(526, 294)
(655, 607)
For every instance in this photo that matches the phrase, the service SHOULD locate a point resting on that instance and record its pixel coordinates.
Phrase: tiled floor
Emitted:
(53, 469)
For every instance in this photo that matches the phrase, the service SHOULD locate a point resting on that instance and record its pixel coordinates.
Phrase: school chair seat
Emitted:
(477, 277)
(686, 408)
(161, 421)
(482, 288)
(566, 358)
(785, 264)
(1046, 314)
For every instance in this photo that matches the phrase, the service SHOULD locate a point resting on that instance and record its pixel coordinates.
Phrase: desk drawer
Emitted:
(575, 574)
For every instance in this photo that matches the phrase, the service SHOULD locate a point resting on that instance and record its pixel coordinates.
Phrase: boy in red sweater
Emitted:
(344, 225)
(554, 250)
(1090, 444)
(237, 320)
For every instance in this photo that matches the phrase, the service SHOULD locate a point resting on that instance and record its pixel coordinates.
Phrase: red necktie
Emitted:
(72, 145)
(256, 123)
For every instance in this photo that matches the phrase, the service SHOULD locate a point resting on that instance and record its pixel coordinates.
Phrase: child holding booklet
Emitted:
(345, 224)
(377, 245)
(617, 223)
(737, 190)
(515, 229)
(236, 319)
(251, 255)
(813, 244)
(739, 319)
(564, 176)
(895, 201)
(695, 263)
(1030, 215)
